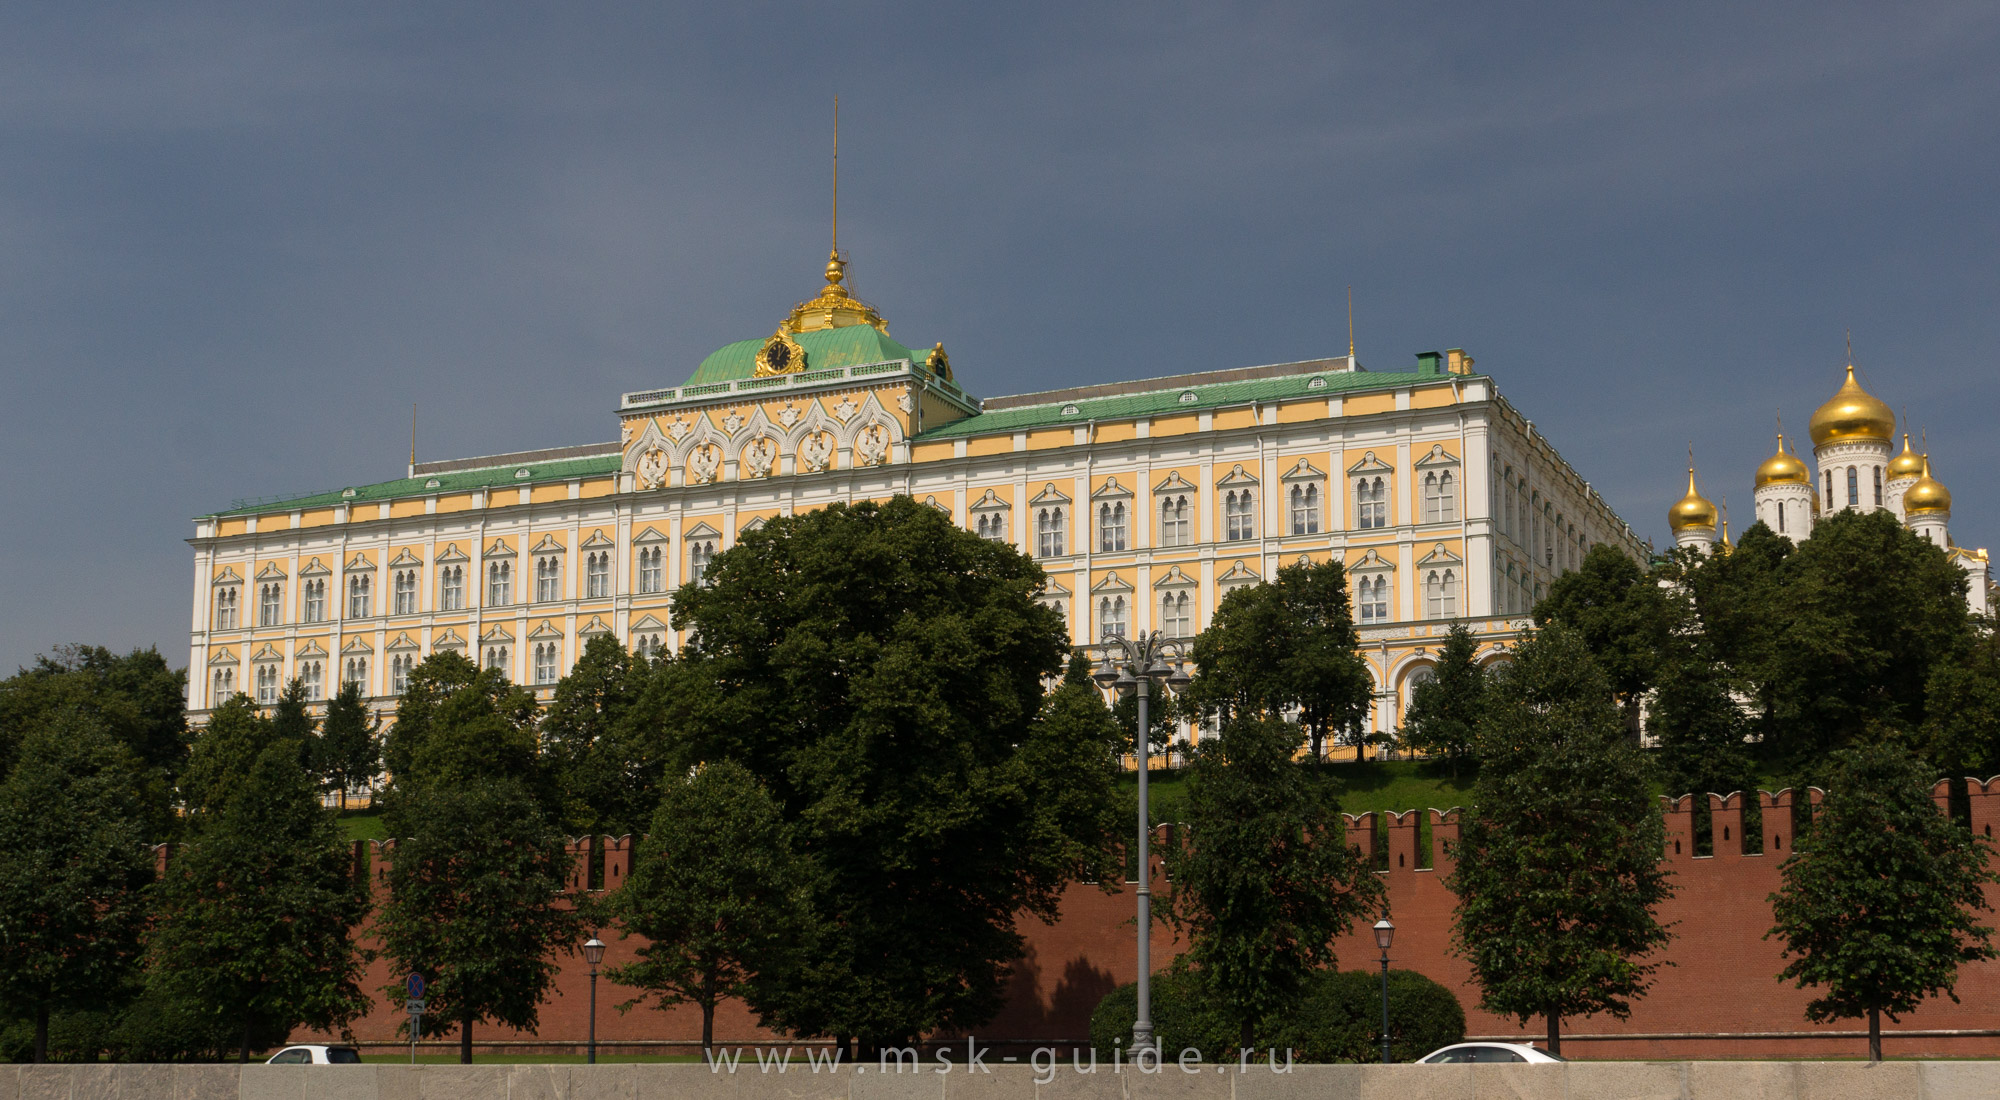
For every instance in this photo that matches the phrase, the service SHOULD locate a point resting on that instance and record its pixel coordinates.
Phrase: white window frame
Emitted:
(597, 575)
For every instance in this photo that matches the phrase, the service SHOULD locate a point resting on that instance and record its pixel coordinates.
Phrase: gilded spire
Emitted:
(1692, 510)
(836, 306)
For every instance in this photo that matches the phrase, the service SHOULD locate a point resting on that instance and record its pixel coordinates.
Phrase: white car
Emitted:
(314, 1054)
(1487, 1053)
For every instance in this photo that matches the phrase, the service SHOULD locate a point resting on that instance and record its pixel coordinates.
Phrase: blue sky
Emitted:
(237, 242)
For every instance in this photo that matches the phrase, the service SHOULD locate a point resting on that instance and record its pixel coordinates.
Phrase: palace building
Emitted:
(1852, 434)
(1146, 501)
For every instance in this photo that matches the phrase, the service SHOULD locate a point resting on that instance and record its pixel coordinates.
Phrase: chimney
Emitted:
(1457, 362)
(1427, 362)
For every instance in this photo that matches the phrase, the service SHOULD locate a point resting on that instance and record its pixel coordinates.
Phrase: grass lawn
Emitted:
(364, 825)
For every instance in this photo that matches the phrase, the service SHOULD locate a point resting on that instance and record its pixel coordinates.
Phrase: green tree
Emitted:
(1698, 723)
(478, 903)
(73, 871)
(1620, 613)
(291, 718)
(1443, 719)
(255, 916)
(224, 751)
(1735, 606)
(456, 723)
(1263, 876)
(880, 671)
(1879, 896)
(348, 752)
(1284, 646)
(1962, 709)
(1871, 610)
(135, 699)
(1559, 868)
(717, 890)
(605, 755)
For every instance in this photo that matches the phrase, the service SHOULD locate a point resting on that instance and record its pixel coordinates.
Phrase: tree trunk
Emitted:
(1360, 745)
(465, 1040)
(708, 1029)
(1874, 1034)
(1555, 1035)
(243, 1055)
(41, 1033)
(1245, 1036)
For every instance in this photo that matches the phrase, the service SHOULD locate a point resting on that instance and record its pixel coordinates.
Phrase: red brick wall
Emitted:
(1720, 998)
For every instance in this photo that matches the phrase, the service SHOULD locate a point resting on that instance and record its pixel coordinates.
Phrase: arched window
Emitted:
(496, 658)
(1372, 594)
(1111, 527)
(1433, 595)
(1853, 487)
(700, 553)
(1829, 488)
(652, 577)
(312, 677)
(548, 579)
(1175, 618)
(1111, 617)
(545, 663)
(315, 602)
(597, 576)
(225, 609)
(1050, 538)
(1371, 503)
(270, 604)
(358, 596)
(1430, 498)
(1449, 605)
(399, 674)
(451, 588)
(1447, 497)
(1877, 470)
(1305, 509)
(404, 590)
(267, 684)
(1781, 517)
(1175, 527)
(1238, 515)
(357, 672)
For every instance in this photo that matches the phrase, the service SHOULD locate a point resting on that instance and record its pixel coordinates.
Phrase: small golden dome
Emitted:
(1928, 495)
(1782, 468)
(1693, 510)
(1907, 464)
(1852, 413)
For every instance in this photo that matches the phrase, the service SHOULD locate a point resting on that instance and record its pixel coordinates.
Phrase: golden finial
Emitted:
(413, 439)
(1350, 324)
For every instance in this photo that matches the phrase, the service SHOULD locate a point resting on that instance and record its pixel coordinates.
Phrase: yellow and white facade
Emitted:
(1145, 501)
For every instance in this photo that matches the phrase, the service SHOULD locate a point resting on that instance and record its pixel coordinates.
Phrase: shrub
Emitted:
(1337, 1019)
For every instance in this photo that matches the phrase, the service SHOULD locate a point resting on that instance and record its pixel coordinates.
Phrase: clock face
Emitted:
(777, 355)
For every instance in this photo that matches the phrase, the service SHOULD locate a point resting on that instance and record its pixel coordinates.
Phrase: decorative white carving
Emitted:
(652, 468)
(846, 409)
(903, 401)
(789, 415)
(678, 429)
(732, 423)
(704, 463)
(817, 450)
(871, 445)
(759, 457)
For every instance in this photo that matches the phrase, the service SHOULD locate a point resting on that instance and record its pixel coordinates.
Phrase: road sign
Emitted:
(416, 1007)
(415, 985)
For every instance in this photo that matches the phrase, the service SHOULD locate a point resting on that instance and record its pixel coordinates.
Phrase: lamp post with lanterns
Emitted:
(1135, 664)
(593, 953)
(1385, 933)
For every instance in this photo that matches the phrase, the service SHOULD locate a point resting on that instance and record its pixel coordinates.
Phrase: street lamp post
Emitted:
(1384, 934)
(593, 953)
(1135, 663)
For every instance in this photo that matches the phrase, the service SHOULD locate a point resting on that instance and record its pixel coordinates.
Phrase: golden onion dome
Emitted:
(1907, 464)
(1927, 495)
(1693, 510)
(1852, 413)
(1783, 468)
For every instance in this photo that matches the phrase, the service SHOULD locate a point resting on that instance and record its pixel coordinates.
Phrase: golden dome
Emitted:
(1782, 468)
(1927, 495)
(1907, 464)
(835, 307)
(1852, 413)
(1693, 510)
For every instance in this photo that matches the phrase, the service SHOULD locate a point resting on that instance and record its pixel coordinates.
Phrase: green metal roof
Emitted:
(848, 346)
(457, 481)
(1178, 399)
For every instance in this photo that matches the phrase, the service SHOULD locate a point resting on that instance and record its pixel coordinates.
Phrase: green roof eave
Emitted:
(849, 346)
(455, 482)
(1176, 400)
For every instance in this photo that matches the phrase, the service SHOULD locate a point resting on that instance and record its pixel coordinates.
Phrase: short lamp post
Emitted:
(593, 953)
(1385, 933)
(1135, 664)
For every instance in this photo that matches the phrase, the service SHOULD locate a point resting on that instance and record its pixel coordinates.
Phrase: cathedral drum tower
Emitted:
(1851, 435)
(1784, 493)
